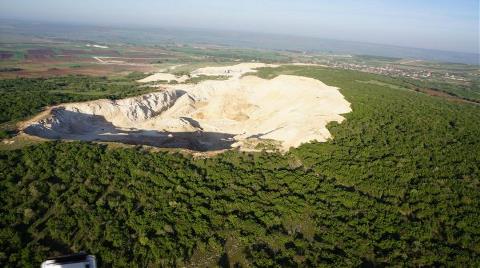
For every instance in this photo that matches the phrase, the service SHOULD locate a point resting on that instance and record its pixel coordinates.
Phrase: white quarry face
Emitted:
(211, 115)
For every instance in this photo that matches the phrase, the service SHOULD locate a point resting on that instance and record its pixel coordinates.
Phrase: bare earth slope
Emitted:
(211, 115)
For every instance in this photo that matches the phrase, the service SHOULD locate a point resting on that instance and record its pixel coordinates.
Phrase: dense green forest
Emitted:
(397, 186)
(25, 97)
(467, 92)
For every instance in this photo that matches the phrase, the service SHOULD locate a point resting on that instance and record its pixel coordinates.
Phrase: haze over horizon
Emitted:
(441, 25)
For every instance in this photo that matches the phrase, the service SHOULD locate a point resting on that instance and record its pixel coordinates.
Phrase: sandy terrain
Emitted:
(234, 71)
(164, 77)
(211, 115)
(97, 46)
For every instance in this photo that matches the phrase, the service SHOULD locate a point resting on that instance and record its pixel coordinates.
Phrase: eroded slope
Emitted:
(239, 112)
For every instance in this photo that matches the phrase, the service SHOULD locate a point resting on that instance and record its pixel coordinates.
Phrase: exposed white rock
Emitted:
(213, 114)
(164, 77)
(235, 71)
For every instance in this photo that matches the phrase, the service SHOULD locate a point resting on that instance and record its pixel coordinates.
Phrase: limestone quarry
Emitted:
(243, 111)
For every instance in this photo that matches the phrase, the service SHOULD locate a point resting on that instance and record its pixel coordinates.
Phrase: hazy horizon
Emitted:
(439, 25)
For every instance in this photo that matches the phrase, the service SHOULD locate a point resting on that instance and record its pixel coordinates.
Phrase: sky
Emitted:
(435, 24)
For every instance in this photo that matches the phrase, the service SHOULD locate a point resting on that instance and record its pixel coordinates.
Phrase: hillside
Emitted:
(396, 186)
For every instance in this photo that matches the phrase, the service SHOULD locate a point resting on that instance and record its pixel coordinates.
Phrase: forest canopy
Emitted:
(398, 185)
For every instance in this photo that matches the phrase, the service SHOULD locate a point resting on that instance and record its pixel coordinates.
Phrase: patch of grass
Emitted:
(379, 83)
(19, 55)
(19, 142)
(200, 78)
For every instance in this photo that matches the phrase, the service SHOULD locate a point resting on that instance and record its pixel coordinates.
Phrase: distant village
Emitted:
(394, 71)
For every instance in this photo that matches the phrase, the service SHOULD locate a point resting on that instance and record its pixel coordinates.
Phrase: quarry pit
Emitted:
(243, 112)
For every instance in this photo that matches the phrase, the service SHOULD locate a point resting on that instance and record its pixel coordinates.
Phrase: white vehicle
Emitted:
(80, 260)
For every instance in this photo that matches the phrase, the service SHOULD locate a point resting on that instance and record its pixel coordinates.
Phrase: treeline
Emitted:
(25, 97)
(469, 92)
(397, 186)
